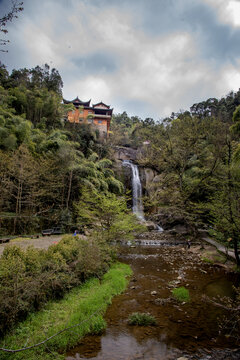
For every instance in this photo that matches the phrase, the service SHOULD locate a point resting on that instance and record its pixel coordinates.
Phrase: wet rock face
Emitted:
(124, 153)
(180, 229)
(176, 223)
(124, 173)
(150, 225)
(147, 176)
(127, 177)
(151, 181)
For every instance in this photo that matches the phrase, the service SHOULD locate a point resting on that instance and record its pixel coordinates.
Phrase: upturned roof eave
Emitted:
(108, 106)
(77, 101)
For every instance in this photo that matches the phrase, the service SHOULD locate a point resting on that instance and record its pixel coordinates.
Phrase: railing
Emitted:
(102, 116)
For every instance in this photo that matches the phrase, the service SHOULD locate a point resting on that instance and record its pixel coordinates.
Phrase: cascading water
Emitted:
(137, 193)
(159, 228)
(136, 190)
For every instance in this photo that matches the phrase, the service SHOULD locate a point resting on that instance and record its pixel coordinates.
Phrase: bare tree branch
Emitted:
(16, 8)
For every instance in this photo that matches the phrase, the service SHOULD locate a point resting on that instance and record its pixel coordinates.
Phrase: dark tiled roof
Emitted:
(77, 101)
(101, 103)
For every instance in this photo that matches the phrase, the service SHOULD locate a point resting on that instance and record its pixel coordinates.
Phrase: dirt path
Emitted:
(220, 247)
(42, 242)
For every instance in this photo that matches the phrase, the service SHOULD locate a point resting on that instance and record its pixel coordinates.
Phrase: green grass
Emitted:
(214, 257)
(207, 260)
(181, 294)
(220, 259)
(77, 306)
(141, 319)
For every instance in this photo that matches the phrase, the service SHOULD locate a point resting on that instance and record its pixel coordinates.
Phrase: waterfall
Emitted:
(136, 190)
(137, 207)
(159, 228)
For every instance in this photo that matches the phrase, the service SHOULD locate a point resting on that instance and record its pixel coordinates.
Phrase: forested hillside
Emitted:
(142, 205)
(196, 156)
(54, 173)
(47, 166)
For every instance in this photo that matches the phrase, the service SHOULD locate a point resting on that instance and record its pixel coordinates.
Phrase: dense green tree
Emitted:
(107, 214)
(3, 74)
(32, 132)
(196, 155)
(236, 120)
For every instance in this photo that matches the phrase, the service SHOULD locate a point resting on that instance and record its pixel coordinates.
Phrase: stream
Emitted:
(183, 329)
(160, 264)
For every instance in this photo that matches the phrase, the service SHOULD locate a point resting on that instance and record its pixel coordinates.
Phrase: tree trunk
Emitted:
(230, 190)
(69, 188)
(18, 206)
(235, 244)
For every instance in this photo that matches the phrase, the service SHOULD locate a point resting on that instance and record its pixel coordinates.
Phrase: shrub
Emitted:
(181, 294)
(141, 319)
(83, 308)
(28, 279)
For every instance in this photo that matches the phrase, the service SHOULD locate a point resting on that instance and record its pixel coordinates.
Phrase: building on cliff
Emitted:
(98, 115)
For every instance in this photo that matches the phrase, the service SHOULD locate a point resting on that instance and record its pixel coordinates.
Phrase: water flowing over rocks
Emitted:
(137, 206)
(150, 225)
(156, 237)
(167, 218)
(146, 174)
(184, 329)
(175, 222)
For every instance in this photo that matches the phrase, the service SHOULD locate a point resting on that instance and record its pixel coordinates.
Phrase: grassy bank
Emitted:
(84, 304)
(29, 278)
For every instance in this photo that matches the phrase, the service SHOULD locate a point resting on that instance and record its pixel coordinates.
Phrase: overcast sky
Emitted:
(147, 57)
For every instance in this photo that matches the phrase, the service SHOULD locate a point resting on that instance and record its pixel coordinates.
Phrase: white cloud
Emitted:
(234, 8)
(231, 77)
(152, 74)
(164, 72)
(228, 11)
(39, 45)
(90, 87)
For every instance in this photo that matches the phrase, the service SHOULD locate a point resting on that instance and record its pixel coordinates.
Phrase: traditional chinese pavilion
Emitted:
(98, 115)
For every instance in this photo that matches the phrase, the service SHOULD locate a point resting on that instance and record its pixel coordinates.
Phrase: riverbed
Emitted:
(189, 329)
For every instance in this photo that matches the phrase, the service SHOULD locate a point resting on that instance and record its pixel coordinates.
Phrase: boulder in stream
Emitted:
(150, 225)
